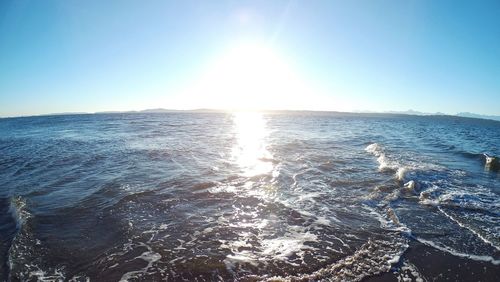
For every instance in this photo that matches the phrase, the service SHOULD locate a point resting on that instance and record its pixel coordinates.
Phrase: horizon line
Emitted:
(409, 112)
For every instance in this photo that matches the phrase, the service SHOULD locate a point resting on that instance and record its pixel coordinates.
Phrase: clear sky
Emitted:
(87, 56)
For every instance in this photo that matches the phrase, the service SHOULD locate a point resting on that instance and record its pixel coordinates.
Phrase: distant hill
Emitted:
(472, 115)
(463, 114)
(408, 112)
(415, 113)
(158, 110)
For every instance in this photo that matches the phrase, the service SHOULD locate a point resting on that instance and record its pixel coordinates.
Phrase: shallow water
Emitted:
(251, 196)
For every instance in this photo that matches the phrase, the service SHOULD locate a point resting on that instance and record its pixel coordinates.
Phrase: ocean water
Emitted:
(249, 197)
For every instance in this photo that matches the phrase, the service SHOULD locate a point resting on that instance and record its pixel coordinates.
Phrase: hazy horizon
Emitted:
(235, 111)
(62, 56)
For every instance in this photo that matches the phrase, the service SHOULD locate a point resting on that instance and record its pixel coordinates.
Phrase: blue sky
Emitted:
(87, 56)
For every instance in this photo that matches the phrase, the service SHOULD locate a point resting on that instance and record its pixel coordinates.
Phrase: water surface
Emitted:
(248, 196)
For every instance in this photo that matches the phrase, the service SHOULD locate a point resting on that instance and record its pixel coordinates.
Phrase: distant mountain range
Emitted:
(415, 113)
(408, 112)
(463, 114)
(472, 115)
(157, 110)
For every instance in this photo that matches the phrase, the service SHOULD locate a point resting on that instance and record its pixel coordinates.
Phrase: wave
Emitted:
(374, 257)
(457, 253)
(10, 221)
(378, 255)
(384, 162)
(468, 227)
(489, 161)
(26, 251)
(390, 221)
(19, 211)
(474, 198)
(443, 189)
(402, 164)
(409, 172)
(471, 155)
(473, 210)
(148, 256)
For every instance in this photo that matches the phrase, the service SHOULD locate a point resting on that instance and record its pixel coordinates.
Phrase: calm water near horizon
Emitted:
(249, 196)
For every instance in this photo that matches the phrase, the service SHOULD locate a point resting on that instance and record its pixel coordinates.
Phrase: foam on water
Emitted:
(18, 210)
(409, 272)
(292, 243)
(457, 253)
(411, 185)
(384, 163)
(472, 208)
(470, 228)
(24, 254)
(434, 194)
(374, 257)
(402, 163)
(150, 257)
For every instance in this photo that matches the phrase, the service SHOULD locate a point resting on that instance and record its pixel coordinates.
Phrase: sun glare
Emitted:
(249, 76)
(250, 152)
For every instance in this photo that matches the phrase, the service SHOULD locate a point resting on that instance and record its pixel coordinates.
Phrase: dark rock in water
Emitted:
(492, 163)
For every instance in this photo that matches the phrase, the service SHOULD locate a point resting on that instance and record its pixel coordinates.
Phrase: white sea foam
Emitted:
(45, 276)
(378, 151)
(23, 257)
(78, 278)
(293, 242)
(149, 256)
(374, 257)
(409, 272)
(374, 148)
(457, 253)
(385, 163)
(402, 164)
(479, 235)
(446, 193)
(18, 210)
(410, 185)
(222, 189)
(389, 221)
(425, 200)
(401, 173)
(477, 201)
(321, 220)
(426, 197)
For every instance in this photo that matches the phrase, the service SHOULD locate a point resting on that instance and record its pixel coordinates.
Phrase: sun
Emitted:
(249, 76)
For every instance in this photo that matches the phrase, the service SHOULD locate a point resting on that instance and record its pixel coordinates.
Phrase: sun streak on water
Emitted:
(250, 152)
(251, 155)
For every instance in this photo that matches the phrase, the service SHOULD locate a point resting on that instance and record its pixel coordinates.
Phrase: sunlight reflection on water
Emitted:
(262, 236)
(257, 240)
(250, 152)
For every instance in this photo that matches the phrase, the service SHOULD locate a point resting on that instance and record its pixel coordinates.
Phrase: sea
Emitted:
(249, 196)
